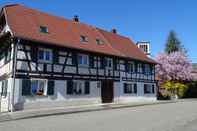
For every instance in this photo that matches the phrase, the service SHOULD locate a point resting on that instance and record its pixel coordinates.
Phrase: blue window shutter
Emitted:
(69, 87)
(55, 57)
(26, 87)
(87, 87)
(135, 88)
(50, 89)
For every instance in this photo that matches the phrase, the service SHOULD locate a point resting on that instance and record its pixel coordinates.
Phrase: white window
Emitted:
(147, 69)
(83, 38)
(44, 55)
(99, 41)
(109, 63)
(78, 87)
(131, 67)
(44, 29)
(139, 68)
(83, 59)
(39, 87)
(130, 88)
(149, 88)
(4, 86)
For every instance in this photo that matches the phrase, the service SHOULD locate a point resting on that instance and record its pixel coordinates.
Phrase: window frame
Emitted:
(149, 89)
(45, 51)
(79, 88)
(130, 88)
(44, 29)
(109, 61)
(139, 68)
(82, 62)
(83, 38)
(131, 67)
(45, 87)
(4, 88)
(99, 42)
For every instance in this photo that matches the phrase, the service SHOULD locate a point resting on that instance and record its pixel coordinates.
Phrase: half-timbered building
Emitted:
(48, 61)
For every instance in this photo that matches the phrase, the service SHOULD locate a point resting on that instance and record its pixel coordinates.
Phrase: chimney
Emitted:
(114, 31)
(76, 18)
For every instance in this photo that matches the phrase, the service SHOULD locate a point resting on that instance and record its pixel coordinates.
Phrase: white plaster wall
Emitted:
(60, 97)
(5, 101)
(120, 96)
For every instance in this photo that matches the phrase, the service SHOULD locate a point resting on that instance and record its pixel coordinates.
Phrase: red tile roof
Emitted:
(25, 23)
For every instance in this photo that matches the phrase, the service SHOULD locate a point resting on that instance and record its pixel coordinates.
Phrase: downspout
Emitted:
(14, 75)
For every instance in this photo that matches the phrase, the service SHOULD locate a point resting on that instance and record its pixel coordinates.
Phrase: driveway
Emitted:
(181, 116)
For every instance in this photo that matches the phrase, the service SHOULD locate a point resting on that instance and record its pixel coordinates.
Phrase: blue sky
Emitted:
(149, 20)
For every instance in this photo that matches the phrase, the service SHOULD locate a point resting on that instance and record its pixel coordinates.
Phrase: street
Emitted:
(181, 116)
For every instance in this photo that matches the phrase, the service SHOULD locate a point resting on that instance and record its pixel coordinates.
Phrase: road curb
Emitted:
(35, 114)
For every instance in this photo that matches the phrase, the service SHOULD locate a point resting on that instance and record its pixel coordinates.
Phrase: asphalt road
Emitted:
(180, 116)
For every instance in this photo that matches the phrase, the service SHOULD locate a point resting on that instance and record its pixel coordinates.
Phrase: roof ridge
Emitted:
(9, 5)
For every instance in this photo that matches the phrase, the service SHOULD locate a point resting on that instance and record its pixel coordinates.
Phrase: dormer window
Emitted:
(83, 38)
(44, 29)
(99, 42)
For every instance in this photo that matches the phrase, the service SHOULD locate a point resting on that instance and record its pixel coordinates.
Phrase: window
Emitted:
(45, 55)
(147, 69)
(38, 87)
(130, 88)
(4, 86)
(99, 42)
(149, 88)
(131, 67)
(83, 38)
(139, 68)
(83, 59)
(44, 29)
(109, 62)
(78, 87)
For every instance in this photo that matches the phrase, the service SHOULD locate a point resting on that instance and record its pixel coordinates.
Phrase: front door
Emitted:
(107, 91)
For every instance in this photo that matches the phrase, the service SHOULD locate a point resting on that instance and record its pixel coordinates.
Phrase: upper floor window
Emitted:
(109, 62)
(45, 55)
(147, 69)
(83, 59)
(44, 29)
(83, 38)
(99, 42)
(131, 67)
(139, 68)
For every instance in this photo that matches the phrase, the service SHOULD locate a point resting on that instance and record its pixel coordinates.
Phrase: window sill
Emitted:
(45, 61)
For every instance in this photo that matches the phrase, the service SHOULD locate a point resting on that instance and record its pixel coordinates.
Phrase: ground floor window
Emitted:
(130, 88)
(78, 87)
(149, 88)
(37, 87)
(4, 86)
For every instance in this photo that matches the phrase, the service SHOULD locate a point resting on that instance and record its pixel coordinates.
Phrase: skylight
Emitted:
(99, 42)
(44, 29)
(83, 38)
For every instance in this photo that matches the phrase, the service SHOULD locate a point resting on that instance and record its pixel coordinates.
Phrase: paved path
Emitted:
(181, 116)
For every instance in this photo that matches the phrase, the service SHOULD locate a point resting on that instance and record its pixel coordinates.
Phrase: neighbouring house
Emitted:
(144, 46)
(48, 61)
(194, 70)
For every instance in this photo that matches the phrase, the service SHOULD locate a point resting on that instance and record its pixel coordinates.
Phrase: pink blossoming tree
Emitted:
(173, 67)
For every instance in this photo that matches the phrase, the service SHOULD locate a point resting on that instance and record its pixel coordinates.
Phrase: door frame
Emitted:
(107, 91)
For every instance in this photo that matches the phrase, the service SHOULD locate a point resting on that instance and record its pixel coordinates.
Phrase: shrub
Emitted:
(175, 88)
